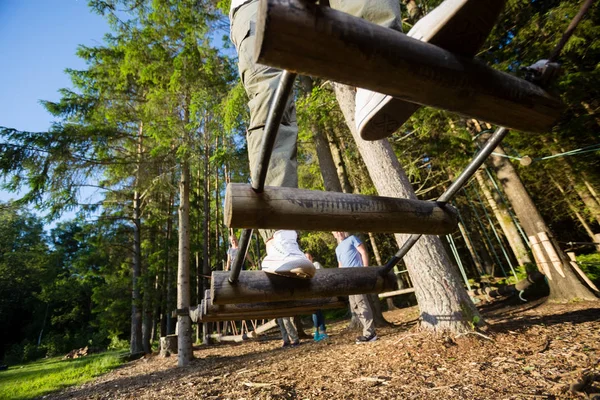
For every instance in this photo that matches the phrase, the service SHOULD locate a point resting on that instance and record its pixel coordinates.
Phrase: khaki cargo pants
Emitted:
(261, 82)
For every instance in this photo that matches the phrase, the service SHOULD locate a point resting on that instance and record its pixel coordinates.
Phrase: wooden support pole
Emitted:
(290, 208)
(258, 286)
(312, 40)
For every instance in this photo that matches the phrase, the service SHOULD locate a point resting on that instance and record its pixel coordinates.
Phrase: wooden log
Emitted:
(297, 307)
(267, 314)
(264, 328)
(291, 208)
(237, 312)
(319, 41)
(396, 293)
(258, 286)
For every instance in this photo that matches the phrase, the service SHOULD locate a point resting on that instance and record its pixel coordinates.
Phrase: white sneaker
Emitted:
(284, 257)
(460, 26)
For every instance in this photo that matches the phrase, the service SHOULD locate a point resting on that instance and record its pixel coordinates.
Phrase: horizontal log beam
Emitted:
(290, 208)
(266, 314)
(258, 286)
(312, 40)
(295, 307)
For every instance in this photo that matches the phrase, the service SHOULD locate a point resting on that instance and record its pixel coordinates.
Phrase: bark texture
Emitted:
(135, 345)
(564, 284)
(505, 221)
(184, 323)
(443, 301)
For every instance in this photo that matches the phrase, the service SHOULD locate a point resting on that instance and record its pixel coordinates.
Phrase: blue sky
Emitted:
(38, 40)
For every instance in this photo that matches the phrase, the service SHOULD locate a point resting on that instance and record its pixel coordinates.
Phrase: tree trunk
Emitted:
(375, 249)
(184, 323)
(576, 212)
(206, 268)
(506, 223)
(338, 160)
(564, 284)
(136, 345)
(170, 303)
(148, 295)
(591, 204)
(467, 239)
(443, 300)
(326, 163)
(217, 247)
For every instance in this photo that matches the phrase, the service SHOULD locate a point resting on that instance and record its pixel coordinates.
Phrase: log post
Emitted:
(319, 41)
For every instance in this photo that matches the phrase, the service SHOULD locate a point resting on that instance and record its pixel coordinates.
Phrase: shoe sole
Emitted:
(463, 32)
(291, 274)
(368, 341)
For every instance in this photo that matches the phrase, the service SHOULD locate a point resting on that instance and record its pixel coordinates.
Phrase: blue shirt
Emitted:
(347, 253)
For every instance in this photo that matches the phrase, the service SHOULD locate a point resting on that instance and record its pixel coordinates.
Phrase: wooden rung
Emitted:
(235, 312)
(290, 208)
(302, 37)
(273, 313)
(396, 293)
(258, 286)
(289, 307)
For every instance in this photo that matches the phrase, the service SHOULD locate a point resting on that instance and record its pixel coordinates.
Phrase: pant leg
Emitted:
(291, 329)
(359, 304)
(381, 12)
(284, 333)
(260, 82)
(319, 320)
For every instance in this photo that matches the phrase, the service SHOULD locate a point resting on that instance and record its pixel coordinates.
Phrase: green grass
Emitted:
(41, 377)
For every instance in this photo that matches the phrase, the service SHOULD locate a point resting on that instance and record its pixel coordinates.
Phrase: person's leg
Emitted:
(321, 321)
(284, 333)
(291, 330)
(361, 308)
(381, 12)
(315, 319)
(260, 82)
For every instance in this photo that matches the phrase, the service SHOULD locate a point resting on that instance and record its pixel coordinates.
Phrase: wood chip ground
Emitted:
(536, 351)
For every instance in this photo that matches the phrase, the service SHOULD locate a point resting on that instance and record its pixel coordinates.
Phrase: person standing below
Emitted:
(289, 333)
(232, 253)
(284, 256)
(351, 253)
(318, 317)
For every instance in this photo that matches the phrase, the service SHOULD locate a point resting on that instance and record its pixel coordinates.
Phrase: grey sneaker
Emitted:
(366, 339)
(459, 26)
(284, 257)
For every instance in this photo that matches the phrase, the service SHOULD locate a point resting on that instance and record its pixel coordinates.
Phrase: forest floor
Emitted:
(531, 351)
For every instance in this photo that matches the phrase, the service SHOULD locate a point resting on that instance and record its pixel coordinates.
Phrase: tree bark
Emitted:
(170, 298)
(576, 212)
(564, 284)
(326, 163)
(184, 323)
(506, 223)
(443, 301)
(338, 160)
(587, 197)
(472, 252)
(148, 295)
(136, 345)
